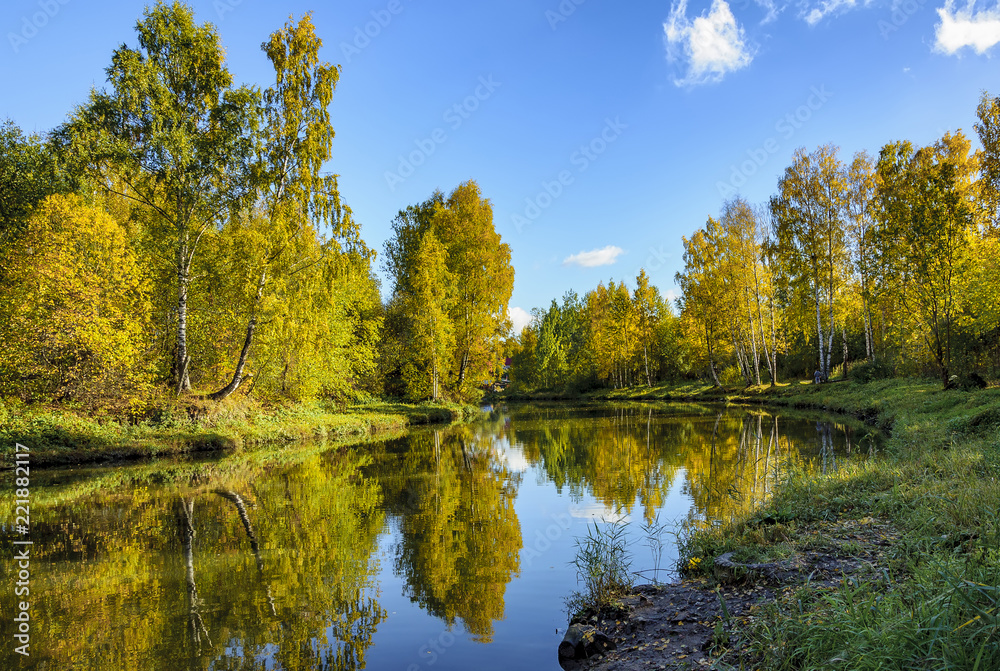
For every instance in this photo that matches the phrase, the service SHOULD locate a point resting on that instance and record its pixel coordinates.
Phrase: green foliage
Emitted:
(877, 368)
(28, 174)
(478, 282)
(173, 135)
(208, 244)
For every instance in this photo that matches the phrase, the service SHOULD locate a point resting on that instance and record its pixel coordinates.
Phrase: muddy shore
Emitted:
(701, 622)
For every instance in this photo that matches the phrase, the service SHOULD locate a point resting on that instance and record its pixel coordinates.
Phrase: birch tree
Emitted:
(810, 232)
(174, 135)
(299, 220)
(860, 225)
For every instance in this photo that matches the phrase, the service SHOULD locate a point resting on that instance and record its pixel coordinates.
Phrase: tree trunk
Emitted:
(181, 359)
(819, 331)
(241, 510)
(829, 348)
(774, 345)
(753, 342)
(186, 524)
(711, 360)
(237, 379)
(238, 373)
(645, 356)
(843, 334)
(866, 312)
(461, 368)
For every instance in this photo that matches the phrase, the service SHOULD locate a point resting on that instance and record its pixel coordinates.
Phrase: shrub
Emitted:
(877, 368)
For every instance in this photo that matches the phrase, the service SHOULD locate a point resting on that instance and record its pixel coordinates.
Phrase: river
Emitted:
(445, 548)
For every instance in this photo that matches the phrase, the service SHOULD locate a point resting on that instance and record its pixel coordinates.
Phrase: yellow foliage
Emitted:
(74, 315)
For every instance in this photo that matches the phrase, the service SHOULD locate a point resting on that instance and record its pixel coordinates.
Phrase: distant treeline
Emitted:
(181, 234)
(885, 266)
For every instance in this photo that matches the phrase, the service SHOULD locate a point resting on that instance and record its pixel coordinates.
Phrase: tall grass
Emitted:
(603, 566)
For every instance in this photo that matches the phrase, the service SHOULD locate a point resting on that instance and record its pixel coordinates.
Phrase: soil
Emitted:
(684, 626)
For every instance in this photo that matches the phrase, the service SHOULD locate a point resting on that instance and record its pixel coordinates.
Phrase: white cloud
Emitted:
(713, 44)
(519, 318)
(772, 11)
(825, 8)
(597, 257)
(966, 28)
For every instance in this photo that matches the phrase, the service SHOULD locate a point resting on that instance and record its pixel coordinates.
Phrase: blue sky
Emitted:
(602, 132)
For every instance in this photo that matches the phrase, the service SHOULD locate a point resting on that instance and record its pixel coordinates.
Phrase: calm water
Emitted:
(444, 549)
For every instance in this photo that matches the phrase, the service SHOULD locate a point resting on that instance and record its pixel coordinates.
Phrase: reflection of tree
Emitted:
(261, 567)
(732, 459)
(197, 624)
(460, 538)
(619, 458)
(198, 630)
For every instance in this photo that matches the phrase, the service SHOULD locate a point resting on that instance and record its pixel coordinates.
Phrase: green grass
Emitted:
(934, 601)
(603, 568)
(65, 436)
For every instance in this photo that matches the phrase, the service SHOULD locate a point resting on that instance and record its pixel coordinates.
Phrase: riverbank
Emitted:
(60, 436)
(890, 562)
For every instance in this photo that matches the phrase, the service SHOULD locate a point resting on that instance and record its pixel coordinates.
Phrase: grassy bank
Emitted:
(64, 436)
(929, 503)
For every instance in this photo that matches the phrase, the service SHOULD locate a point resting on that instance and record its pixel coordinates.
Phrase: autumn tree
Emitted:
(74, 316)
(927, 213)
(551, 350)
(484, 279)
(479, 263)
(297, 220)
(810, 236)
(172, 134)
(861, 238)
(647, 313)
(429, 305)
(700, 282)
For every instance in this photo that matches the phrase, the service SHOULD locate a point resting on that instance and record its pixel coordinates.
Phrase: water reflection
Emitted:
(730, 460)
(269, 568)
(459, 539)
(275, 561)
